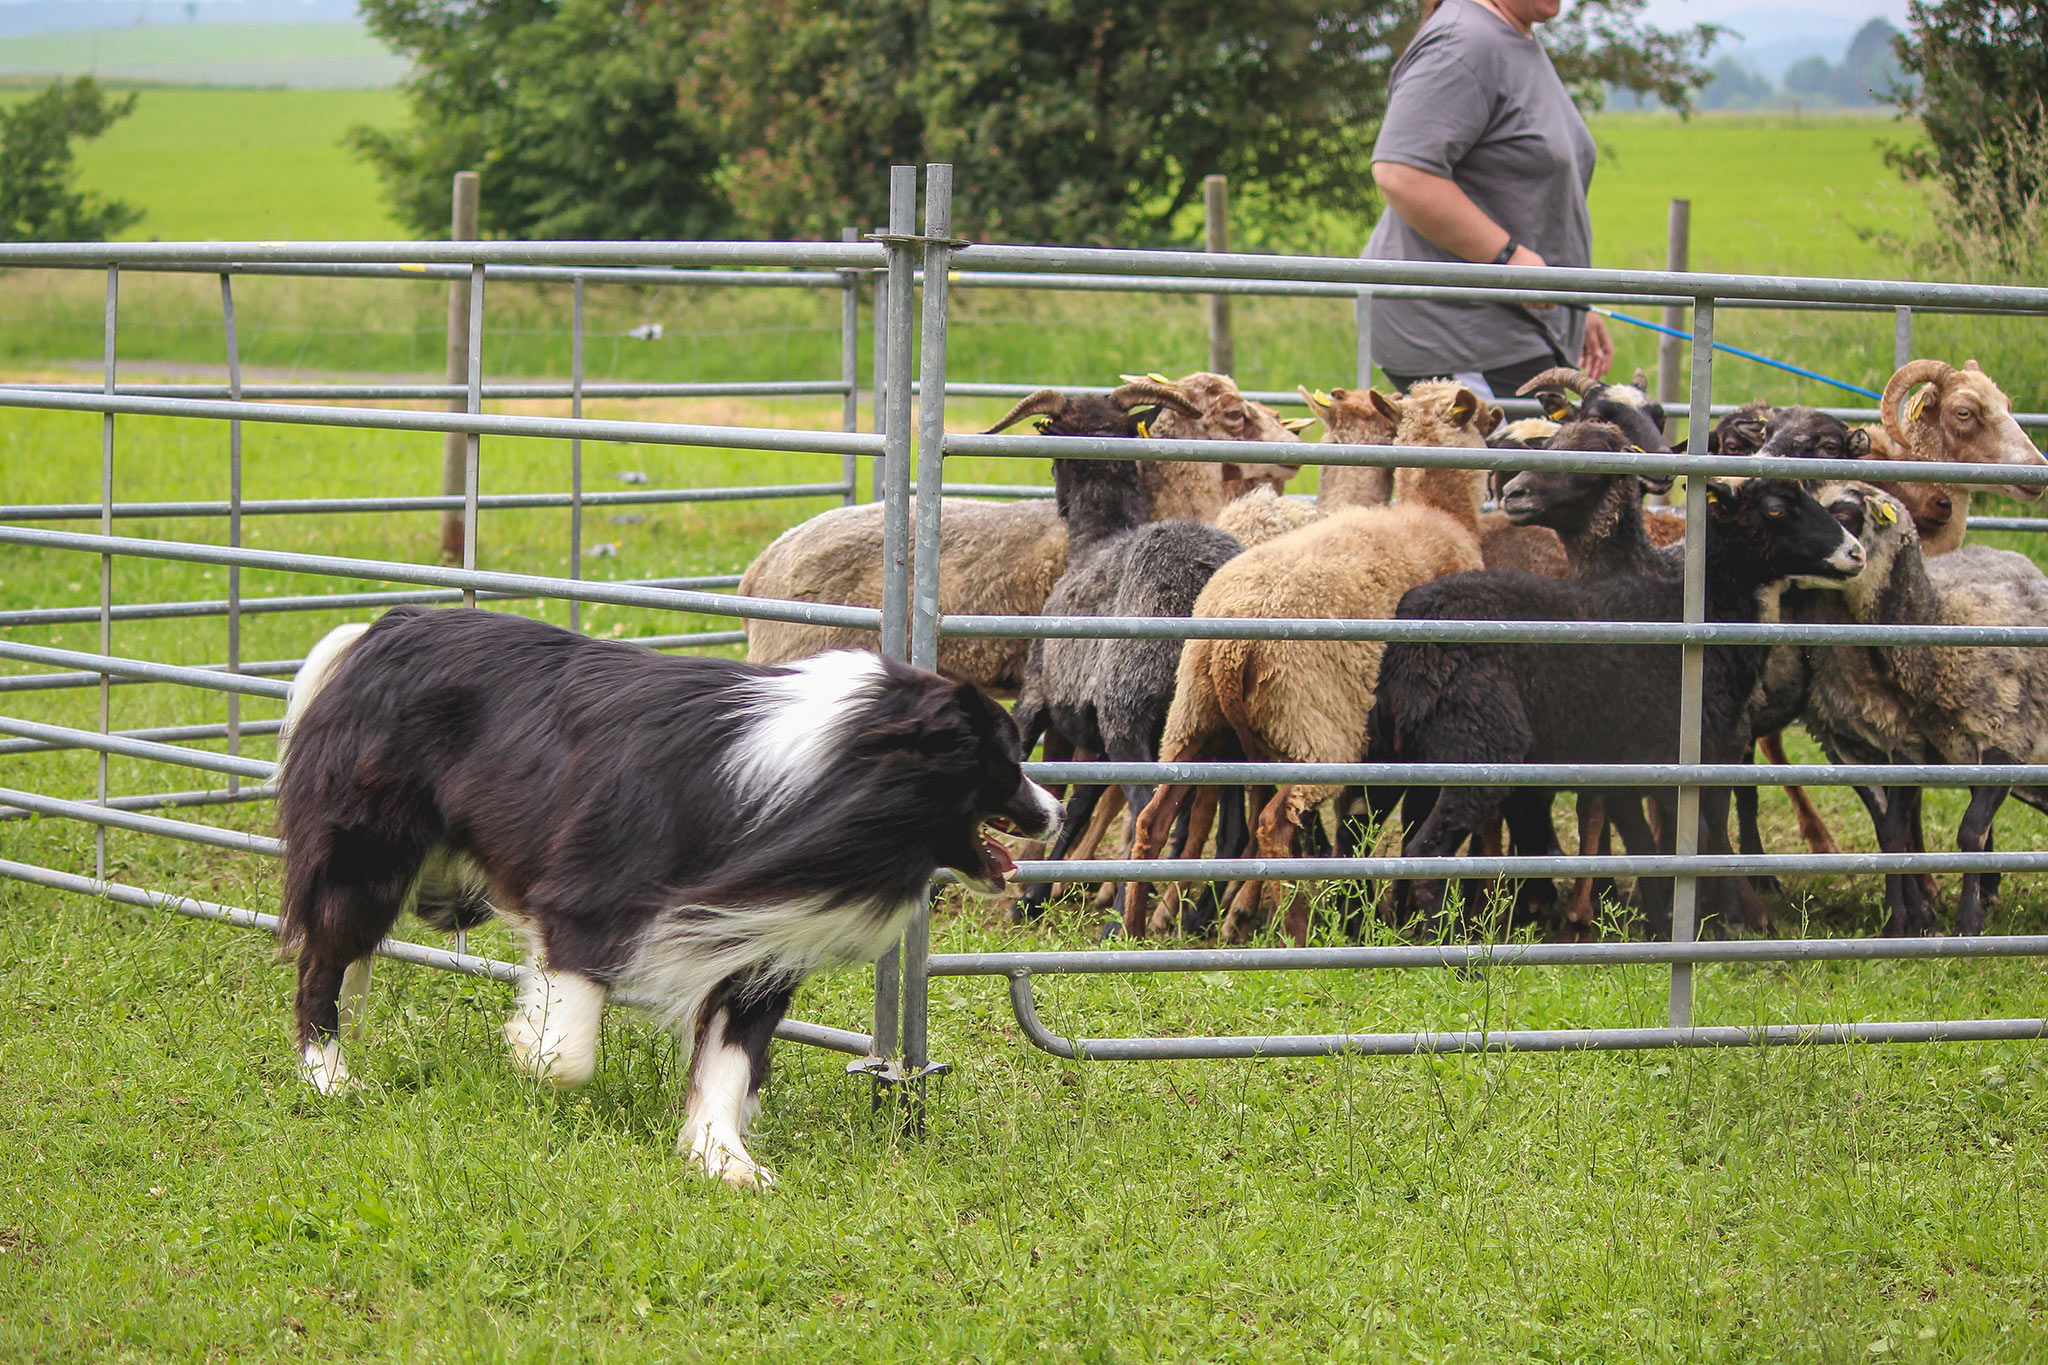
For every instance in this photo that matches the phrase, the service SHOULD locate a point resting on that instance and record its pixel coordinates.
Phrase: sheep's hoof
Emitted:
(1113, 928)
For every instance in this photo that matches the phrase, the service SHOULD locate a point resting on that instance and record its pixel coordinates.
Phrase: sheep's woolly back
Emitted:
(1262, 515)
(1309, 700)
(1000, 558)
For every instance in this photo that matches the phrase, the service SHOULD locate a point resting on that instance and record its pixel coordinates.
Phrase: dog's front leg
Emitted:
(726, 1074)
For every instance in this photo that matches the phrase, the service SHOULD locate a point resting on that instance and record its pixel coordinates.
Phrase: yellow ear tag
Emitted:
(1158, 378)
(1042, 423)
(1144, 430)
(1919, 408)
(1323, 399)
(1713, 494)
(1883, 512)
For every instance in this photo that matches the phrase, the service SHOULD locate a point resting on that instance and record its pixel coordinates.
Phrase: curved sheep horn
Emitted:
(1045, 400)
(1128, 396)
(1903, 380)
(1563, 376)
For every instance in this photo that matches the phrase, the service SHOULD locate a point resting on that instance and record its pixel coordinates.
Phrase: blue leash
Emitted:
(1737, 350)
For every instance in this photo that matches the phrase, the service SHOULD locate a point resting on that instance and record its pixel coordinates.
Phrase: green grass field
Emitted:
(320, 56)
(173, 1193)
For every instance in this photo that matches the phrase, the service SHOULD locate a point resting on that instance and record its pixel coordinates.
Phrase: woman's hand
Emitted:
(1596, 356)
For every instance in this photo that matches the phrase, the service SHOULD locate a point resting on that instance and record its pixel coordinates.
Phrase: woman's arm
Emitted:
(1440, 211)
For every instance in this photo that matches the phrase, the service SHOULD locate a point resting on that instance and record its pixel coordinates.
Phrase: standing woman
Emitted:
(1483, 157)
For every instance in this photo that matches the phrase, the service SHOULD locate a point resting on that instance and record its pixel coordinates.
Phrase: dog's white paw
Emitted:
(322, 1067)
(724, 1158)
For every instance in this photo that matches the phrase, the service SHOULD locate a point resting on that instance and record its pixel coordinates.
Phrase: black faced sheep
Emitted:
(1593, 702)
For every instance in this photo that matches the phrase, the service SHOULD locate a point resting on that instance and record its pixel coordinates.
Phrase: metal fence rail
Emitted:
(909, 475)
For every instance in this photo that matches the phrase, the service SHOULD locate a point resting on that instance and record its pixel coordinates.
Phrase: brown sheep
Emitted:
(1309, 700)
(996, 558)
(1265, 514)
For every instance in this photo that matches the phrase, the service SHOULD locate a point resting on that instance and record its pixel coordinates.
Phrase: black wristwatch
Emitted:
(1507, 251)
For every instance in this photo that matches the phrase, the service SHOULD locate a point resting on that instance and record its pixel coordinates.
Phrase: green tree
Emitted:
(1983, 73)
(1067, 120)
(568, 108)
(37, 200)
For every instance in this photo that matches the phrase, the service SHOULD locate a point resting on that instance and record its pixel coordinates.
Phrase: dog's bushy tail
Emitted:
(313, 675)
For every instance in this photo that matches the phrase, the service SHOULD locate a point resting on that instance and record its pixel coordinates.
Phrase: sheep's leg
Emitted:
(1276, 835)
(1748, 836)
(1592, 809)
(1917, 828)
(1233, 836)
(1904, 901)
(1739, 905)
(1531, 833)
(1974, 836)
(1819, 838)
(1657, 891)
(1457, 813)
(1149, 835)
(1082, 804)
(1087, 847)
(1166, 916)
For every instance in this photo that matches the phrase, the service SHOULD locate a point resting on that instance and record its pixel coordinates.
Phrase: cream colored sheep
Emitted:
(1308, 700)
(1961, 416)
(996, 558)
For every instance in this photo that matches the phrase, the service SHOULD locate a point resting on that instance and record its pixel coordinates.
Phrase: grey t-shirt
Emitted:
(1474, 101)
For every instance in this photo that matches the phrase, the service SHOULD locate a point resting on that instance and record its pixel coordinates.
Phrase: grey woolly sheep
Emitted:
(1110, 697)
(1930, 704)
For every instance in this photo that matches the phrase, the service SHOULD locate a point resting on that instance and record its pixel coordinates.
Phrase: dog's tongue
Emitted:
(999, 858)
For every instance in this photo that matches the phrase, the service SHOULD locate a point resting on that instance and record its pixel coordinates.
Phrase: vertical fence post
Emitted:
(849, 369)
(1361, 314)
(454, 447)
(1677, 252)
(1216, 219)
(472, 443)
(924, 606)
(892, 481)
(576, 450)
(112, 328)
(227, 313)
(880, 373)
(1685, 887)
(1902, 337)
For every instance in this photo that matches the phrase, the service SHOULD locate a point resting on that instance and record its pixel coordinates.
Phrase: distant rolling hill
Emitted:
(310, 56)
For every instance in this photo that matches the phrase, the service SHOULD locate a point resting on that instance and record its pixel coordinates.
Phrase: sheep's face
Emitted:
(1439, 412)
(1790, 534)
(1743, 431)
(1976, 424)
(1809, 433)
(1931, 507)
(1563, 499)
(1882, 529)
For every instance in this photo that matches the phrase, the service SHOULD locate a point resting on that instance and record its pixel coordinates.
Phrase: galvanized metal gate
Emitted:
(896, 1049)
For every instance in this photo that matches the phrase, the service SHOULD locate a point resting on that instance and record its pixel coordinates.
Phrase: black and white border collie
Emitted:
(696, 833)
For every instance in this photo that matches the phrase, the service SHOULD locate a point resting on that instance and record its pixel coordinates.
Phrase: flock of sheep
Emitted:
(1174, 539)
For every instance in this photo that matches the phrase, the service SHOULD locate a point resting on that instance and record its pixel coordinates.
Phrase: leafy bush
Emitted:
(37, 202)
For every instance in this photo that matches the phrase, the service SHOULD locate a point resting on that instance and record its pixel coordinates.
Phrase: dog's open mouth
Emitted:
(997, 864)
